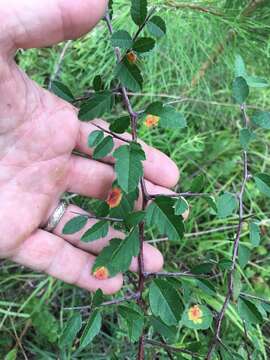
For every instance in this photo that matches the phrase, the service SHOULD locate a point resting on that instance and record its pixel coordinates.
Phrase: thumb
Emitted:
(31, 23)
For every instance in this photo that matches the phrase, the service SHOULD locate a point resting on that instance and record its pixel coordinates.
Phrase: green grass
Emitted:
(209, 145)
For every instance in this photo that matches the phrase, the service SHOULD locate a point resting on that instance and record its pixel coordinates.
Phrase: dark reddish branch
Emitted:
(134, 117)
(236, 243)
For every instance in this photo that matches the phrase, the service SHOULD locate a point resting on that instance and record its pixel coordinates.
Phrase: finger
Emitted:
(158, 167)
(49, 253)
(153, 260)
(31, 23)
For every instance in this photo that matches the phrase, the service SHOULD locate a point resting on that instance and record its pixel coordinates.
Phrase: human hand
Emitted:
(38, 133)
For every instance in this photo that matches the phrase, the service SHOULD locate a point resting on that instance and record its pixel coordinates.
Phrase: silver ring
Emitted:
(56, 216)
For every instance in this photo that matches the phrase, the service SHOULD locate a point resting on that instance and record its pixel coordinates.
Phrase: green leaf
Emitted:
(91, 329)
(248, 311)
(240, 90)
(198, 183)
(169, 117)
(45, 324)
(204, 268)
(237, 285)
(169, 332)
(161, 213)
(181, 206)
(256, 82)
(74, 225)
(203, 323)
(120, 125)
(263, 183)
(134, 318)
(225, 264)
(135, 218)
(144, 44)
(129, 75)
(11, 355)
(98, 105)
(62, 91)
(126, 206)
(121, 39)
(98, 84)
(156, 26)
(239, 67)
(226, 205)
(128, 166)
(211, 202)
(97, 231)
(95, 138)
(104, 148)
(71, 330)
(165, 302)
(117, 256)
(255, 233)
(243, 255)
(246, 136)
(98, 298)
(138, 11)
(261, 119)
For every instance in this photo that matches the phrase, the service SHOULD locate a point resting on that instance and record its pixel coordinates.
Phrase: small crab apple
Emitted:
(132, 57)
(101, 273)
(114, 197)
(195, 314)
(151, 120)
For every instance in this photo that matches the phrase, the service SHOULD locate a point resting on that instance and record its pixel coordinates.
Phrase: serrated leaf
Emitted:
(240, 90)
(74, 225)
(118, 254)
(165, 302)
(45, 324)
(169, 117)
(91, 329)
(181, 206)
(96, 106)
(129, 75)
(143, 44)
(135, 218)
(134, 319)
(104, 148)
(203, 321)
(161, 214)
(226, 205)
(122, 39)
(95, 138)
(246, 136)
(120, 125)
(62, 91)
(255, 234)
(248, 311)
(156, 26)
(73, 326)
(261, 119)
(138, 11)
(128, 166)
(263, 183)
(97, 231)
(126, 205)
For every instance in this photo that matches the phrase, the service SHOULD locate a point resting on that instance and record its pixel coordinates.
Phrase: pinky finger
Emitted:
(53, 255)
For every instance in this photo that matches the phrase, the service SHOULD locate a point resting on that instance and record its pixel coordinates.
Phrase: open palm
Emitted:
(38, 133)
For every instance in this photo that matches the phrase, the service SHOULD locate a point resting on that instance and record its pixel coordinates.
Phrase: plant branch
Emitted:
(98, 217)
(171, 348)
(236, 243)
(195, 7)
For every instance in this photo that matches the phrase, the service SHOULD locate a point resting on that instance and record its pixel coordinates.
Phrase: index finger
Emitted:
(158, 167)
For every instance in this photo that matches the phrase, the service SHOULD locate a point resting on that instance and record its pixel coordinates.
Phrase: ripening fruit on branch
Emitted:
(114, 198)
(101, 273)
(132, 57)
(151, 120)
(195, 314)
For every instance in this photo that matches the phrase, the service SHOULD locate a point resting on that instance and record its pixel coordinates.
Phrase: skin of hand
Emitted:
(38, 132)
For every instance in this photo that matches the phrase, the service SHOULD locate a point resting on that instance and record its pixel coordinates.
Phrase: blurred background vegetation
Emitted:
(193, 66)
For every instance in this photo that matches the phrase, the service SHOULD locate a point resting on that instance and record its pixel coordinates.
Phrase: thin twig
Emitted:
(111, 133)
(236, 243)
(255, 298)
(171, 348)
(58, 65)
(97, 217)
(196, 7)
(177, 195)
